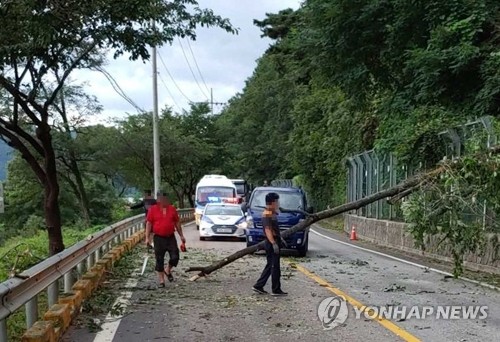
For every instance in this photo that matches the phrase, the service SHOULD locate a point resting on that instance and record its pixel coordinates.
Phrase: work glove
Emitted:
(276, 248)
(183, 247)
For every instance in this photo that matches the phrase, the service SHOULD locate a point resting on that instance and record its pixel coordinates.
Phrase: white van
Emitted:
(212, 189)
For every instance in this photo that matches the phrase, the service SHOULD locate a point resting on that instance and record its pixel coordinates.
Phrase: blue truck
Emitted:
(290, 198)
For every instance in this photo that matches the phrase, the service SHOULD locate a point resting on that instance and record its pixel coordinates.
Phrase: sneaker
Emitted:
(259, 290)
(161, 285)
(279, 293)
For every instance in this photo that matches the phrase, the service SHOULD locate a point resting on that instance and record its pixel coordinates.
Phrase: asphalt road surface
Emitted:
(222, 307)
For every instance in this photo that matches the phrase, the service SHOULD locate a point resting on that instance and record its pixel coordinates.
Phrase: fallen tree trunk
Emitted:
(410, 185)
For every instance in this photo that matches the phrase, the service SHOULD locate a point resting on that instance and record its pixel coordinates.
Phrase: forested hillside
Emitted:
(344, 76)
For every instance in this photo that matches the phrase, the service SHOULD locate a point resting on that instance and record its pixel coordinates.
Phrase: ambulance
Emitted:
(213, 189)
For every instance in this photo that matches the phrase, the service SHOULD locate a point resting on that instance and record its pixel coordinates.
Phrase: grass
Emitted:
(335, 224)
(29, 251)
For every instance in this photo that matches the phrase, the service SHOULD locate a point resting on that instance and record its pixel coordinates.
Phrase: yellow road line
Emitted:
(405, 335)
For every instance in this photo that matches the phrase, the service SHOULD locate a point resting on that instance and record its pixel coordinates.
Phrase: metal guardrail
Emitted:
(47, 275)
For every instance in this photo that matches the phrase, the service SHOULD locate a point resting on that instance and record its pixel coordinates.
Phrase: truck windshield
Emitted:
(288, 200)
(213, 194)
(240, 188)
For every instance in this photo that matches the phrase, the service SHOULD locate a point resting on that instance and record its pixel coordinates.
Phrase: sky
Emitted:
(224, 61)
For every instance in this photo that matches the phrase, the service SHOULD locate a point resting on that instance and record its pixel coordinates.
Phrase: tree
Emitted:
(193, 150)
(188, 150)
(69, 152)
(43, 40)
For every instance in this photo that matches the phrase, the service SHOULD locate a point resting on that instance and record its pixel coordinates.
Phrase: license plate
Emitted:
(225, 230)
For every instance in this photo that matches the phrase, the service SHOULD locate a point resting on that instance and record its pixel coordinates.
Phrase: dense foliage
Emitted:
(42, 43)
(345, 76)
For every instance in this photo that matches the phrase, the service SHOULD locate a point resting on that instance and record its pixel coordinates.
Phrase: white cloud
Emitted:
(225, 61)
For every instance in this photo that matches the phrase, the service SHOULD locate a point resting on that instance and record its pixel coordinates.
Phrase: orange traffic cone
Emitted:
(353, 233)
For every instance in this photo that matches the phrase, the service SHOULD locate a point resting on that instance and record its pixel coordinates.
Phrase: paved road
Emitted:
(188, 309)
(371, 284)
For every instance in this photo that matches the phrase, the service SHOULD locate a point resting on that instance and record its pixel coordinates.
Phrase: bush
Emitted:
(32, 226)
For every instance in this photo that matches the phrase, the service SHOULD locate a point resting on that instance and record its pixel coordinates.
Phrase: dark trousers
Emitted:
(272, 269)
(162, 246)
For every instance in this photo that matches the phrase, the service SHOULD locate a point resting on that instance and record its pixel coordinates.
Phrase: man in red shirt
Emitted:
(162, 220)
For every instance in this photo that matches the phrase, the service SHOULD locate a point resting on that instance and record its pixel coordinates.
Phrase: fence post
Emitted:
(31, 311)
(391, 172)
(377, 204)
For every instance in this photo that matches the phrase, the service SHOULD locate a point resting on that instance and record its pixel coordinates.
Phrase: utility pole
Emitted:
(212, 100)
(156, 137)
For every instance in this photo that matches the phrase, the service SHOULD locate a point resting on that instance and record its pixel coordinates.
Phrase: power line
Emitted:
(172, 78)
(196, 63)
(169, 92)
(191, 69)
(116, 87)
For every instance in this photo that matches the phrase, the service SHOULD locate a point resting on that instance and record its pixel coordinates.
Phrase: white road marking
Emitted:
(405, 261)
(110, 327)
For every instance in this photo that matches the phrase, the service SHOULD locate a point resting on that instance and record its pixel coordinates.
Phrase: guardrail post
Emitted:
(90, 261)
(69, 280)
(79, 269)
(31, 312)
(3, 330)
(53, 293)
(97, 254)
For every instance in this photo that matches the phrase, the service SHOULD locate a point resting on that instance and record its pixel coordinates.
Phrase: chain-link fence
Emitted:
(370, 172)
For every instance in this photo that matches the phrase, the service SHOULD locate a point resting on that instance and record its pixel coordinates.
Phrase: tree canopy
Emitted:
(43, 42)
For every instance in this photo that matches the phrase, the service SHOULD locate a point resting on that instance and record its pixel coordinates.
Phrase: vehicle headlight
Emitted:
(249, 221)
(241, 223)
(206, 219)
